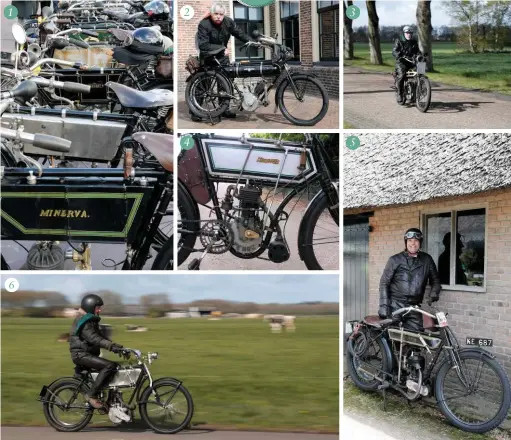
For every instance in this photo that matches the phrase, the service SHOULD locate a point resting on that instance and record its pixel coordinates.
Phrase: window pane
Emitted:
(255, 13)
(294, 7)
(240, 12)
(470, 247)
(284, 9)
(322, 4)
(438, 226)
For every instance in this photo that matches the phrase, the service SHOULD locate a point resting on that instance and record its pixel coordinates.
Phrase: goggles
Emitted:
(412, 234)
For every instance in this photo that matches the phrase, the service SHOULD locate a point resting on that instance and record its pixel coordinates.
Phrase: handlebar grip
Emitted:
(53, 143)
(76, 87)
(79, 43)
(90, 33)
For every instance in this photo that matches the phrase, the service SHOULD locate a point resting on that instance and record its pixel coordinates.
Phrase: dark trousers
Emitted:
(401, 68)
(105, 368)
(412, 321)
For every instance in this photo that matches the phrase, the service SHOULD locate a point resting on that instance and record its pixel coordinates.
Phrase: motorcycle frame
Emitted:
(325, 176)
(159, 200)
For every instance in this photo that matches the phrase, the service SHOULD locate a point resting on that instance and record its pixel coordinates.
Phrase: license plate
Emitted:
(421, 68)
(480, 342)
(442, 320)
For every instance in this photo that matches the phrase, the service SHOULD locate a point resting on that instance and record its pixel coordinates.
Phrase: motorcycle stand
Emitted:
(383, 387)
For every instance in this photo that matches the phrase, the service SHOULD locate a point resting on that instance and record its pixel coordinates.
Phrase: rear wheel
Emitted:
(66, 408)
(423, 94)
(203, 92)
(167, 407)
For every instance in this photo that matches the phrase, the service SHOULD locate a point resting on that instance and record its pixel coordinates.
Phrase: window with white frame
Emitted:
(456, 241)
(249, 20)
(328, 17)
(290, 21)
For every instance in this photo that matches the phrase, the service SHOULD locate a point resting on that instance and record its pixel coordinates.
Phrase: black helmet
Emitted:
(147, 40)
(158, 10)
(90, 302)
(414, 233)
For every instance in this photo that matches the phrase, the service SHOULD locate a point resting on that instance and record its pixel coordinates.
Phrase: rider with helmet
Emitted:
(404, 280)
(85, 342)
(404, 46)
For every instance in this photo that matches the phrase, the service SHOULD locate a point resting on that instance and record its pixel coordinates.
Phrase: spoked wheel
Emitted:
(423, 98)
(477, 396)
(367, 358)
(66, 408)
(304, 101)
(167, 408)
(318, 238)
(203, 94)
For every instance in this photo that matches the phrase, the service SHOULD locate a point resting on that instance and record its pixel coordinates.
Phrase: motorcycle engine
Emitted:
(414, 364)
(247, 227)
(250, 102)
(118, 411)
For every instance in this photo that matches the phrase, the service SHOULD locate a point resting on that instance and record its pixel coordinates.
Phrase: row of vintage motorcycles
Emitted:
(86, 137)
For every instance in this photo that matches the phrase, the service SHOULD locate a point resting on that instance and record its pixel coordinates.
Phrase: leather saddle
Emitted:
(161, 146)
(131, 98)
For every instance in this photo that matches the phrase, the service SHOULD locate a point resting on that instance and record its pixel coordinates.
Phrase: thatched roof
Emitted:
(389, 169)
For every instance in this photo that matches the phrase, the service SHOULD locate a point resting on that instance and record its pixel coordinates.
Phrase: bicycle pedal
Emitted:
(194, 264)
(384, 386)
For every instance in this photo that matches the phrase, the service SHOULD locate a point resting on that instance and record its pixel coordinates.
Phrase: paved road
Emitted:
(109, 433)
(328, 253)
(370, 103)
(262, 118)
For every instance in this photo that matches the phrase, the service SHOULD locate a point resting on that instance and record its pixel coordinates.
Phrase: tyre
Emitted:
(65, 392)
(459, 408)
(170, 398)
(165, 258)
(302, 83)
(423, 94)
(373, 353)
(188, 220)
(201, 94)
(319, 227)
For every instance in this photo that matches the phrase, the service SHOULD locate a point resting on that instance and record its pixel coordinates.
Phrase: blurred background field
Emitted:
(240, 374)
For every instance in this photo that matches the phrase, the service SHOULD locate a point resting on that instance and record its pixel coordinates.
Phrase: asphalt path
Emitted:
(369, 103)
(116, 433)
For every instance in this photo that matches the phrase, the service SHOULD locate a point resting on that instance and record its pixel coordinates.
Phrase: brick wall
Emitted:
(470, 314)
(306, 9)
(185, 39)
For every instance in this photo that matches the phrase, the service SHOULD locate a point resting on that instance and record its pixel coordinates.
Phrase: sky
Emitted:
(396, 13)
(262, 288)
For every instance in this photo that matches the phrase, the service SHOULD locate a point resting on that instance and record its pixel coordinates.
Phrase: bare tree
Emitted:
(113, 304)
(497, 12)
(155, 300)
(374, 33)
(348, 32)
(425, 30)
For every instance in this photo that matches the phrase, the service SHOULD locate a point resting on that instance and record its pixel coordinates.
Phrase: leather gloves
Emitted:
(383, 311)
(432, 299)
(116, 348)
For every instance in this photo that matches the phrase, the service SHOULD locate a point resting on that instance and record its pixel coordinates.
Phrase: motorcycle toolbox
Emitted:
(95, 140)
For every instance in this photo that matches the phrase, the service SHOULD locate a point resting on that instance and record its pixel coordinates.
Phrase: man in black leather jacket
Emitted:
(404, 280)
(85, 343)
(404, 46)
(214, 33)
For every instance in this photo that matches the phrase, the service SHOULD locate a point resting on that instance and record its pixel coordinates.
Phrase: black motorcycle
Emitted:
(211, 87)
(469, 385)
(416, 87)
(165, 405)
(258, 171)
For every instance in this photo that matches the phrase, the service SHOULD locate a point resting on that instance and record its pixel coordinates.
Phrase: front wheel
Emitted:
(66, 408)
(423, 94)
(303, 101)
(475, 395)
(167, 407)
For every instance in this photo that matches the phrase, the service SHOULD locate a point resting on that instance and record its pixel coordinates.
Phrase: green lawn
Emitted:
(239, 373)
(485, 71)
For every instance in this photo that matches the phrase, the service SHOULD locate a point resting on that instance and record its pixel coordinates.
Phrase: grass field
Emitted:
(238, 372)
(485, 71)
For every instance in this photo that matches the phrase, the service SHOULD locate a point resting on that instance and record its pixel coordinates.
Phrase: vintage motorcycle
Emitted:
(84, 205)
(471, 388)
(165, 405)
(210, 90)
(257, 170)
(416, 87)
